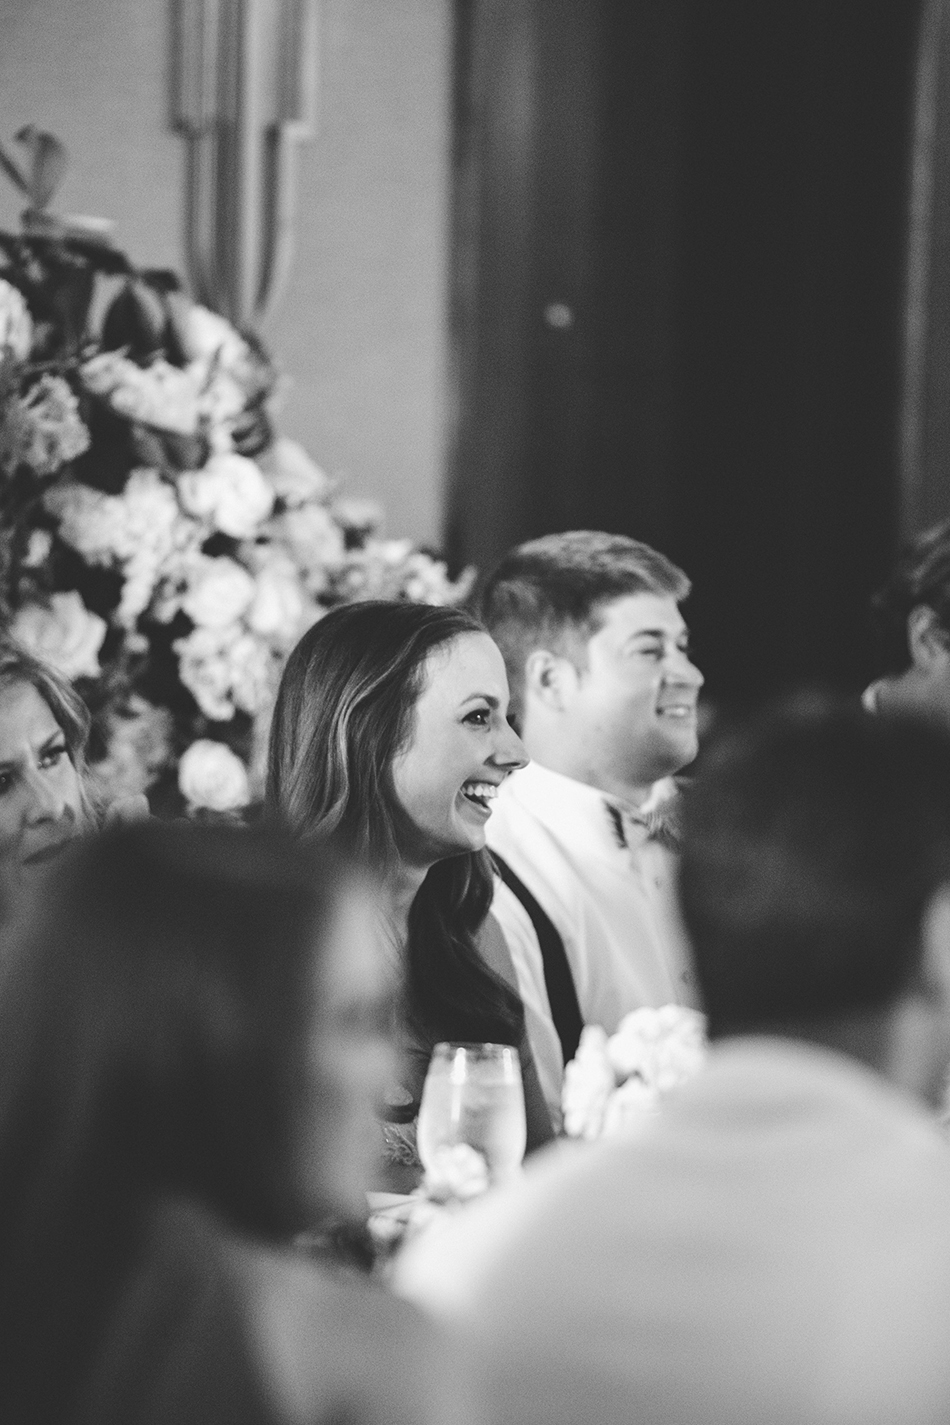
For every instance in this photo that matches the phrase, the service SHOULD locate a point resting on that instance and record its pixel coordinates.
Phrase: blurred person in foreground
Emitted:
(46, 797)
(604, 696)
(192, 1043)
(912, 617)
(774, 1245)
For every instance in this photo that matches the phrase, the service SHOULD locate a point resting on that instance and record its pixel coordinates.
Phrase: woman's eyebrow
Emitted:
(489, 698)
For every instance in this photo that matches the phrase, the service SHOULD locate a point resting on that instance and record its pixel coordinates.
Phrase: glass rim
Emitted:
(485, 1048)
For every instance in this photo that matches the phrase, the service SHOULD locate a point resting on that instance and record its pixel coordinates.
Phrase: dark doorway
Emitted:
(679, 281)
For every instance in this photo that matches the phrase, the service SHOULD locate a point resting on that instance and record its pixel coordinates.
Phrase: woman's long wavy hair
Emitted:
(155, 1037)
(67, 707)
(344, 711)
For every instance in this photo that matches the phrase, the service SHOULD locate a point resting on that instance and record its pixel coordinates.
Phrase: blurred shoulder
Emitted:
(337, 1343)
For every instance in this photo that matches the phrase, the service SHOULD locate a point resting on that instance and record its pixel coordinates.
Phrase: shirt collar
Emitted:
(580, 812)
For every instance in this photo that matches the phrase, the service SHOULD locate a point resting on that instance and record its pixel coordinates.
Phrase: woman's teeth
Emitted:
(481, 793)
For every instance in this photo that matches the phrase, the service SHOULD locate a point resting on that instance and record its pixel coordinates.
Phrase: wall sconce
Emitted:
(245, 92)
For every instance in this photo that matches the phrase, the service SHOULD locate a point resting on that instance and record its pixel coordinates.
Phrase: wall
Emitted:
(360, 329)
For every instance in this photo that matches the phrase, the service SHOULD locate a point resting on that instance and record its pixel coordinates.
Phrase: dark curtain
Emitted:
(681, 247)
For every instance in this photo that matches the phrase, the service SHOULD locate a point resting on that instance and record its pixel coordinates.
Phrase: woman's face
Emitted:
(460, 750)
(41, 804)
(351, 1060)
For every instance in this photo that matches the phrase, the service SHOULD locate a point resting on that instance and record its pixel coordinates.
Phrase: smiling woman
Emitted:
(390, 736)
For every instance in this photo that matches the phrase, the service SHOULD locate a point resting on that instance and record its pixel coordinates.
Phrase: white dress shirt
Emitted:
(611, 903)
(773, 1247)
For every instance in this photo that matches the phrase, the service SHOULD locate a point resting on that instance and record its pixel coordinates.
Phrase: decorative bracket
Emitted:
(244, 97)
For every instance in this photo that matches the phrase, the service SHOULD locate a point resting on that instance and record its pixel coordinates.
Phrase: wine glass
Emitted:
(473, 1094)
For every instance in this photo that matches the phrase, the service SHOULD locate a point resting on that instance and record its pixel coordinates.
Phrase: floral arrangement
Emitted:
(160, 543)
(615, 1084)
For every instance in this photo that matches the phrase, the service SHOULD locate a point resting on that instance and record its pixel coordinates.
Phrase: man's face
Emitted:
(632, 710)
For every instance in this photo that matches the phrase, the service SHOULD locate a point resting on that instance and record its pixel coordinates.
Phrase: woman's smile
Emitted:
(460, 751)
(480, 795)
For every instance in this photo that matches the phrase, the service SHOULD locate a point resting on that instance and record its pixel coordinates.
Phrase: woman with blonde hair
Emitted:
(46, 796)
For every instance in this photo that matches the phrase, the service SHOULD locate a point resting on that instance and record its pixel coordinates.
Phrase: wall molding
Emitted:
(244, 97)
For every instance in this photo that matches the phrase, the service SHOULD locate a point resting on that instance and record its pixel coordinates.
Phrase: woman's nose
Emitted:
(45, 800)
(509, 749)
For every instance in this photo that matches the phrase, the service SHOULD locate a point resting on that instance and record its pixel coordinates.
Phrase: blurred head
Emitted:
(43, 729)
(912, 611)
(197, 1011)
(814, 874)
(390, 731)
(601, 683)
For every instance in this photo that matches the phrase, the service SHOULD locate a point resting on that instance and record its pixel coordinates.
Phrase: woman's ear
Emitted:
(927, 639)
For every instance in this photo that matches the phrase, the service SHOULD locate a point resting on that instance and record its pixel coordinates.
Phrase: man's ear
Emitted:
(548, 677)
(918, 1049)
(935, 947)
(926, 638)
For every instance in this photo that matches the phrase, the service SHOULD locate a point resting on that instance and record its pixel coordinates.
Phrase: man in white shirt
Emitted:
(775, 1244)
(604, 696)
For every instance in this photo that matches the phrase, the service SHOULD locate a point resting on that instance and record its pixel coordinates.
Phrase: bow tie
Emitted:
(660, 825)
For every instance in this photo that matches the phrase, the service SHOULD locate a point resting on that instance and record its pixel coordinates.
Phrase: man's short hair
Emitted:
(550, 592)
(813, 842)
(921, 576)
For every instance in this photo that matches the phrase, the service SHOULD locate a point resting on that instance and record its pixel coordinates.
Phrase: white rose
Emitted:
(221, 401)
(90, 522)
(315, 542)
(358, 513)
(456, 1173)
(160, 395)
(252, 673)
(16, 326)
(589, 1081)
(210, 775)
(205, 668)
(219, 591)
(295, 478)
(65, 634)
(230, 492)
(280, 603)
(208, 337)
(38, 548)
(663, 1046)
(103, 372)
(629, 1109)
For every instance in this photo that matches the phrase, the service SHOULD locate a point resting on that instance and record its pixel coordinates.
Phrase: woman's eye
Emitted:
(6, 782)
(52, 755)
(478, 716)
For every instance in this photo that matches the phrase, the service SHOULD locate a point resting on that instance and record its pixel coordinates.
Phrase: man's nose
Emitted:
(683, 670)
